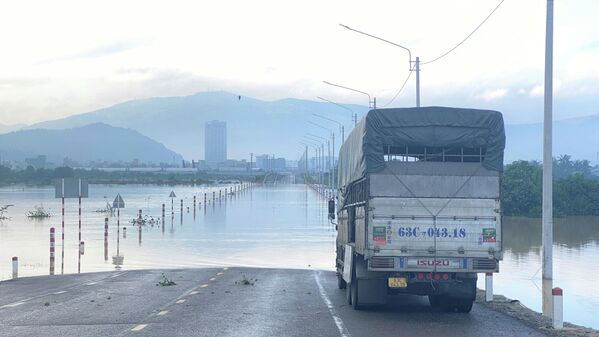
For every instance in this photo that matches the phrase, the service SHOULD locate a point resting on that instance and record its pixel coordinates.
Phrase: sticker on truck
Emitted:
(489, 235)
(379, 235)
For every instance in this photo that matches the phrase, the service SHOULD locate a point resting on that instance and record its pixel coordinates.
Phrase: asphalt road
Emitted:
(215, 302)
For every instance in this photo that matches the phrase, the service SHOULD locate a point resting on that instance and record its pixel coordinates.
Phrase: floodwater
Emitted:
(267, 226)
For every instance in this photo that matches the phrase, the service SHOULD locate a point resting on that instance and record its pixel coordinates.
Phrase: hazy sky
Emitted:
(65, 57)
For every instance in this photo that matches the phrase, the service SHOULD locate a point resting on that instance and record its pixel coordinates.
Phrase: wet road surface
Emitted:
(219, 302)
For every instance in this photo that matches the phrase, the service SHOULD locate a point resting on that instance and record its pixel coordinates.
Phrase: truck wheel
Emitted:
(464, 306)
(447, 304)
(355, 301)
(341, 284)
(434, 300)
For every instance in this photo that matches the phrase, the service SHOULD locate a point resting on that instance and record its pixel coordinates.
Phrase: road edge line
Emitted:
(338, 321)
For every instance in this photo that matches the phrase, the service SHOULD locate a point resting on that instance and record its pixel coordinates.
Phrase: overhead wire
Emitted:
(466, 38)
(400, 90)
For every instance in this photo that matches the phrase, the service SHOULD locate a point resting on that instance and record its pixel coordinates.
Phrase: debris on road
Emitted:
(165, 282)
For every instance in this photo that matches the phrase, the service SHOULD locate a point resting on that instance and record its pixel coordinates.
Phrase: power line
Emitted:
(400, 90)
(467, 37)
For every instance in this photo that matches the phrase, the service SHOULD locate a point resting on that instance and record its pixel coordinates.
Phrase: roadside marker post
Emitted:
(51, 250)
(194, 202)
(15, 267)
(489, 287)
(558, 308)
(181, 206)
(105, 239)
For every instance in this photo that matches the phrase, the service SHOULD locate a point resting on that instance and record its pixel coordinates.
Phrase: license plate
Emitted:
(397, 282)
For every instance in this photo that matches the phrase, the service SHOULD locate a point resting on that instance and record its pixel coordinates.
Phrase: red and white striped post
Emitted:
(139, 217)
(205, 199)
(80, 218)
(105, 239)
(162, 213)
(558, 308)
(15, 267)
(488, 287)
(118, 229)
(52, 250)
(219, 194)
(81, 252)
(213, 196)
(181, 207)
(194, 202)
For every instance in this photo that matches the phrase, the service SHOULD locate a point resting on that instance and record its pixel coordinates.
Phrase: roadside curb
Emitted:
(517, 310)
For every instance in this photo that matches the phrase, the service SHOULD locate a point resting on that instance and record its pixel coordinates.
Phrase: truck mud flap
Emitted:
(372, 291)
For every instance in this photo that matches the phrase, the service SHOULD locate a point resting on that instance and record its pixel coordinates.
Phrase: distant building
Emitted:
(262, 162)
(215, 142)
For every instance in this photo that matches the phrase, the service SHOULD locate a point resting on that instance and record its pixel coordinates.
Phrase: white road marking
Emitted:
(180, 301)
(195, 292)
(163, 312)
(91, 283)
(60, 292)
(219, 273)
(139, 327)
(203, 286)
(212, 278)
(340, 326)
(12, 305)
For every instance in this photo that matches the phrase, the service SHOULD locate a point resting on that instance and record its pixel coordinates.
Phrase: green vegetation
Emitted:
(40, 177)
(575, 189)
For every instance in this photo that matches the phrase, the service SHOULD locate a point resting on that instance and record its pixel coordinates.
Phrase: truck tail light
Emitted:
(446, 276)
(420, 276)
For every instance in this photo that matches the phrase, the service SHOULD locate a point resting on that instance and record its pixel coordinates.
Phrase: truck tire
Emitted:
(355, 300)
(341, 284)
(434, 300)
(464, 306)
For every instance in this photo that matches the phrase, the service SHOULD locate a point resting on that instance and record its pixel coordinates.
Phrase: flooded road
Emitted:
(269, 226)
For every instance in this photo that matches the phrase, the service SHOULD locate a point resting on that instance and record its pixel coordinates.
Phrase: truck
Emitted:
(418, 209)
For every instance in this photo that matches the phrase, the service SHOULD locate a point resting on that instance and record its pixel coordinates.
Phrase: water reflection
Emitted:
(523, 235)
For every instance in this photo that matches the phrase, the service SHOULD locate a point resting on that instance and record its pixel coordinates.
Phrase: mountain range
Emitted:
(93, 142)
(276, 127)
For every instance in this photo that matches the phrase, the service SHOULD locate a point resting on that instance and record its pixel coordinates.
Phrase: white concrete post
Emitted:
(82, 247)
(15, 267)
(489, 287)
(558, 308)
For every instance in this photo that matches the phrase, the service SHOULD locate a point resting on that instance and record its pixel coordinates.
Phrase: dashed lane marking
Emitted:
(180, 301)
(212, 278)
(139, 327)
(12, 305)
(203, 286)
(340, 326)
(226, 268)
(219, 273)
(59, 292)
(195, 292)
(163, 312)
(91, 283)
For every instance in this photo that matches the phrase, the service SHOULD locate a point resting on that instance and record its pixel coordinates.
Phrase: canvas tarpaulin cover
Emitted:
(363, 151)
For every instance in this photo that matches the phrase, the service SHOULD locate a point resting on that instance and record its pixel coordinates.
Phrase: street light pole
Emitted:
(353, 113)
(548, 169)
(416, 63)
(371, 102)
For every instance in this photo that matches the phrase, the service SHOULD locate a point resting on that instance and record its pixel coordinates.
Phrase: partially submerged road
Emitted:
(223, 302)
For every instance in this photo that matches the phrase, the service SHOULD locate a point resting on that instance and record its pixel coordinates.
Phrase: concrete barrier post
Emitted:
(52, 250)
(194, 202)
(488, 287)
(181, 206)
(558, 308)
(105, 239)
(162, 212)
(82, 248)
(15, 267)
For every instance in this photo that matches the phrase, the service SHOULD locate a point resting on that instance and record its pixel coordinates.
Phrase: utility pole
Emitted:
(417, 81)
(548, 169)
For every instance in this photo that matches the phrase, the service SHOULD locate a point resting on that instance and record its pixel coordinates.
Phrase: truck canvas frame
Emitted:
(419, 209)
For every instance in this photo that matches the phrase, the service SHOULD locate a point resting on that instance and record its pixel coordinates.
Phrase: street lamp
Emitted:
(354, 115)
(371, 101)
(330, 164)
(341, 128)
(310, 143)
(416, 63)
